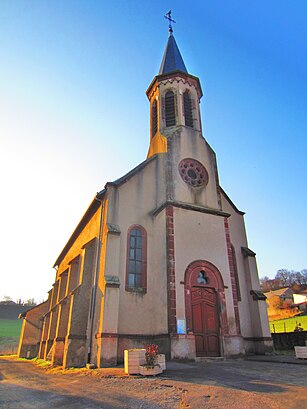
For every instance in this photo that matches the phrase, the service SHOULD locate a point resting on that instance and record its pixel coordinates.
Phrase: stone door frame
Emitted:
(215, 281)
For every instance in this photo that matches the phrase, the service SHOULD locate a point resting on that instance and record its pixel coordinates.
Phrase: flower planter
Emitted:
(301, 352)
(149, 370)
(133, 358)
(160, 360)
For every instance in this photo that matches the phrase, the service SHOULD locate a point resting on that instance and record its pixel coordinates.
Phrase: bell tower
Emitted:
(174, 96)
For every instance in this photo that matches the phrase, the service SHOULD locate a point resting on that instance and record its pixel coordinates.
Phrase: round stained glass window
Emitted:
(193, 173)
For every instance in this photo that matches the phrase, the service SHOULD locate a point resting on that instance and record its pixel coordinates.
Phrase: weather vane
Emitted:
(168, 17)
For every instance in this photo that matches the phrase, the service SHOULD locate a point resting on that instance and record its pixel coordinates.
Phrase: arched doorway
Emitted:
(205, 307)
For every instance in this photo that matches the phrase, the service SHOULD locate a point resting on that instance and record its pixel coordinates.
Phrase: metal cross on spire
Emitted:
(168, 17)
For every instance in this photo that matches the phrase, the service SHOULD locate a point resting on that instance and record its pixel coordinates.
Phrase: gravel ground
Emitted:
(227, 384)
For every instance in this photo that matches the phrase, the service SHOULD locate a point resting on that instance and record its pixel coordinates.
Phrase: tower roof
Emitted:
(172, 60)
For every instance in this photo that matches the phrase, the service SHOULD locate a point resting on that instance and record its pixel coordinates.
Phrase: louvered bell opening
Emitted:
(170, 118)
(154, 119)
(188, 110)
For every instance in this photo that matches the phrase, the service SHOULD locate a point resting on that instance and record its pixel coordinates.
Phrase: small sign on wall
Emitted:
(181, 327)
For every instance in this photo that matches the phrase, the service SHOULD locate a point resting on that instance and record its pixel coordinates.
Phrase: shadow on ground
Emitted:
(17, 397)
(242, 375)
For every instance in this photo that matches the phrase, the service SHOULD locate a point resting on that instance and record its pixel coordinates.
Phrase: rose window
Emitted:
(193, 173)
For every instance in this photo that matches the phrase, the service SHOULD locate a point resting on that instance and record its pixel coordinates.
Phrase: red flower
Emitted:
(151, 353)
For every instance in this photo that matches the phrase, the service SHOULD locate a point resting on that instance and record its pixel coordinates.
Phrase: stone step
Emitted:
(209, 358)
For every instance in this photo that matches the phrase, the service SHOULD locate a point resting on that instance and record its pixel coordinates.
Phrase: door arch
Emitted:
(205, 307)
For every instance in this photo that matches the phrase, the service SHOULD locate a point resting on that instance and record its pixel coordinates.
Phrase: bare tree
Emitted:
(304, 275)
(283, 275)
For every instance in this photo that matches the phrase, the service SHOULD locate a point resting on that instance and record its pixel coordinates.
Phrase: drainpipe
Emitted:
(95, 282)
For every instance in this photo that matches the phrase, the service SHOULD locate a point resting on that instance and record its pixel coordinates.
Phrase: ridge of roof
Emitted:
(23, 314)
(95, 203)
(231, 202)
(131, 173)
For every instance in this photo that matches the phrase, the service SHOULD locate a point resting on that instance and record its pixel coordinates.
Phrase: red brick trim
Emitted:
(171, 282)
(232, 275)
(144, 258)
(236, 275)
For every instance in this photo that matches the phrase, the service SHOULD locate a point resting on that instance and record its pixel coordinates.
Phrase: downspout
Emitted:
(95, 282)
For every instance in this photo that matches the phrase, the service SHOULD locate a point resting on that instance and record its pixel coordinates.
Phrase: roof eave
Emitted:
(24, 314)
(161, 77)
(231, 202)
(130, 174)
(95, 204)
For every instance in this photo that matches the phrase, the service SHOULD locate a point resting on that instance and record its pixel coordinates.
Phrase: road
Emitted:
(229, 384)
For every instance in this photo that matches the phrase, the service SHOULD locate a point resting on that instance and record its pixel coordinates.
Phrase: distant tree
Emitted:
(283, 275)
(7, 300)
(268, 284)
(30, 302)
(298, 278)
(284, 278)
(304, 276)
(264, 284)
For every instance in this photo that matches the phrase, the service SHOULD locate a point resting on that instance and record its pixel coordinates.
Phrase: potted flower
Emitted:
(150, 368)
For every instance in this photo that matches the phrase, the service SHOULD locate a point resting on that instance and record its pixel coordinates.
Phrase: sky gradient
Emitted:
(74, 115)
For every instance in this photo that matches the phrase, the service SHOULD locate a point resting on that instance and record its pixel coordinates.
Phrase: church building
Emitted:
(160, 255)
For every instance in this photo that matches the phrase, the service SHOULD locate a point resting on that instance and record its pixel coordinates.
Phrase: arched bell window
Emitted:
(136, 269)
(154, 118)
(169, 102)
(188, 114)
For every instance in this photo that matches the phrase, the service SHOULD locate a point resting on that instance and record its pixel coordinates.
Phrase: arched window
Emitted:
(170, 117)
(136, 271)
(235, 270)
(188, 115)
(154, 119)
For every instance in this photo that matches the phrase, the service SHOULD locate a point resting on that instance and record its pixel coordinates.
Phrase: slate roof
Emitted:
(172, 59)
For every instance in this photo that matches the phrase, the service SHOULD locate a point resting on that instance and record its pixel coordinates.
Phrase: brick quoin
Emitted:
(171, 290)
(232, 276)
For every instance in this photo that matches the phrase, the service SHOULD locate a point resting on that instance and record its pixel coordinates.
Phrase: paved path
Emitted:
(227, 384)
(248, 375)
(284, 359)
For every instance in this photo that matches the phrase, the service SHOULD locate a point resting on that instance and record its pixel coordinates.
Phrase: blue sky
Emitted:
(74, 115)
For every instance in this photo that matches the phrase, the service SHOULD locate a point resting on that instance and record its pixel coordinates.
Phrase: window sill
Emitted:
(136, 290)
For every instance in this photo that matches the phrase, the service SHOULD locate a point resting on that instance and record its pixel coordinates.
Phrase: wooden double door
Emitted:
(205, 318)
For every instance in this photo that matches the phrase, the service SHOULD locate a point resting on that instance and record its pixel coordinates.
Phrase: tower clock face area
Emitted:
(193, 173)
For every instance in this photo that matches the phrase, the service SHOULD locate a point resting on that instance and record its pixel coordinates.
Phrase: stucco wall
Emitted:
(200, 236)
(31, 331)
(190, 144)
(253, 313)
(238, 239)
(134, 202)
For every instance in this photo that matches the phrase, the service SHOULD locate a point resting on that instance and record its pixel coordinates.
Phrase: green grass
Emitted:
(289, 323)
(10, 328)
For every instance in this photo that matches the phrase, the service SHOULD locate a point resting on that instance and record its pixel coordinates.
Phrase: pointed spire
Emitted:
(172, 60)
